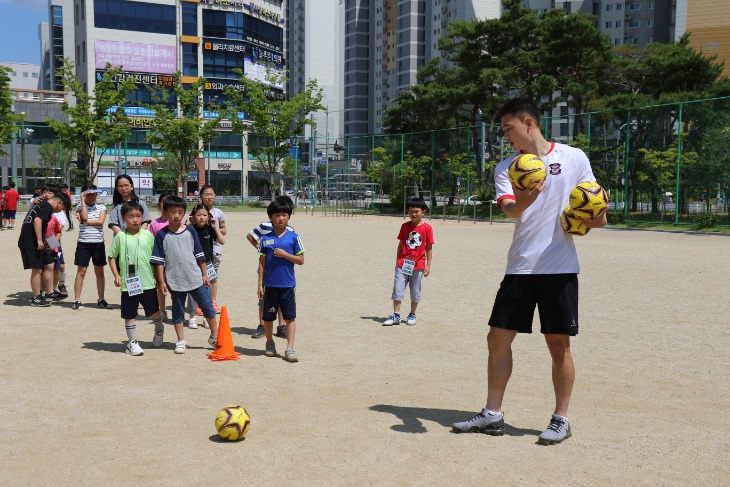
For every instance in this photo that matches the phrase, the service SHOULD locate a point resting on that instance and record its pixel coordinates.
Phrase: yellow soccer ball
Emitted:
(571, 223)
(588, 199)
(526, 170)
(232, 422)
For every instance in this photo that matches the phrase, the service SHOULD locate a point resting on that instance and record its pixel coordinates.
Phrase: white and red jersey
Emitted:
(539, 244)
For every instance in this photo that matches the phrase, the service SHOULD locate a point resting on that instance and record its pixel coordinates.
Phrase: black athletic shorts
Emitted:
(90, 252)
(36, 259)
(130, 304)
(556, 298)
(280, 297)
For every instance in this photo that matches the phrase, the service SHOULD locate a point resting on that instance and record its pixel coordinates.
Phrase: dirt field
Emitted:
(373, 405)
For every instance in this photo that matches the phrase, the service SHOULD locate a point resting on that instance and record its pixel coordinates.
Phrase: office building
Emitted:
(152, 40)
(708, 22)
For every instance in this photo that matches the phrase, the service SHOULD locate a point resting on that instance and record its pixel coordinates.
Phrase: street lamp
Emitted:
(13, 164)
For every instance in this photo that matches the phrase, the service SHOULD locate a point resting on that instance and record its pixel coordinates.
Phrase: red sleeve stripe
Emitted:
(504, 197)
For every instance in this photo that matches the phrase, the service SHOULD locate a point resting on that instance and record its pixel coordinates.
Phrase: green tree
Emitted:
(96, 120)
(658, 172)
(273, 122)
(179, 129)
(165, 173)
(8, 120)
(56, 161)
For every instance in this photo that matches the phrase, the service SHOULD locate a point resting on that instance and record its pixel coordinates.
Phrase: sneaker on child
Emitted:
(411, 320)
(270, 349)
(212, 340)
(485, 422)
(393, 319)
(281, 331)
(158, 340)
(557, 431)
(180, 346)
(290, 355)
(77, 305)
(193, 323)
(259, 332)
(133, 348)
(38, 301)
(102, 303)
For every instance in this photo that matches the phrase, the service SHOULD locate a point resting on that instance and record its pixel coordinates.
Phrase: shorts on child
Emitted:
(216, 264)
(130, 304)
(36, 259)
(413, 281)
(9, 214)
(58, 260)
(201, 296)
(90, 252)
(556, 298)
(280, 297)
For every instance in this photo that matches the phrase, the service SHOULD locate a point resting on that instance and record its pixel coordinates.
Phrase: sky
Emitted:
(19, 21)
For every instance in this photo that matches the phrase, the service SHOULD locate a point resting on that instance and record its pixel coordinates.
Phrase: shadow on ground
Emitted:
(376, 319)
(411, 419)
(19, 299)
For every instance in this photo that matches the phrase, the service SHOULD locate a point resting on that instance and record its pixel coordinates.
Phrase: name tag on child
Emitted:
(53, 242)
(408, 266)
(134, 285)
(210, 270)
(268, 242)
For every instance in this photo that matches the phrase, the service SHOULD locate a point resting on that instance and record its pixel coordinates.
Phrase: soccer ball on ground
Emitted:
(588, 199)
(571, 223)
(526, 170)
(232, 422)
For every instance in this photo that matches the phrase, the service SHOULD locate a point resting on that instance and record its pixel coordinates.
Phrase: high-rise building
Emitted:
(708, 22)
(154, 39)
(386, 42)
(315, 43)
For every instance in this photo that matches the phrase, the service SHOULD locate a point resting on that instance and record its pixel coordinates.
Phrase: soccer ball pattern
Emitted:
(414, 240)
(526, 170)
(588, 199)
(232, 422)
(571, 223)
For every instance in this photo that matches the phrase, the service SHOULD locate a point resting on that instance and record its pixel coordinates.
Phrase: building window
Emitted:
(57, 49)
(35, 75)
(564, 129)
(609, 25)
(632, 24)
(619, 6)
(650, 5)
(650, 23)
(617, 42)
(649, 40)
(635, 6)
(25, 74)
(189, 59)
(189, 18)
(237, 25)
(609, 7)
(134, 16)
(618, 23)
(83, 51)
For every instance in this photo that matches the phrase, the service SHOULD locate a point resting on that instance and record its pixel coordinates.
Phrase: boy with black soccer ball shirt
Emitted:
(31, 242)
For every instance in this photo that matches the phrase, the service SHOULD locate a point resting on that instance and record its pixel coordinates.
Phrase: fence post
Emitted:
(626, 164)
(433, 167)
(679, 160)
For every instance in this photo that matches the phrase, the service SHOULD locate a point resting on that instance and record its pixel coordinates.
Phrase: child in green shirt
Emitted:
(129, 261)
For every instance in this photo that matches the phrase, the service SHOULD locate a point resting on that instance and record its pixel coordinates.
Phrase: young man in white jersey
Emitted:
(542, 270)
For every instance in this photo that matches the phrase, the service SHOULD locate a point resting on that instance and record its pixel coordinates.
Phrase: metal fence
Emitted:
(664, 164)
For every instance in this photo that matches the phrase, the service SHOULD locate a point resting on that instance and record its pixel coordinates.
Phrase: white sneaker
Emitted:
(411, 320)
(204, 324)
(193, 323)
(180, 346)
(158, 340)
(393, 319)
(557, 431)
(133, 348)
(212, 340)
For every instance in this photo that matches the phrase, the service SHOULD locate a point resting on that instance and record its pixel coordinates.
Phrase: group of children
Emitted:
(177, 254)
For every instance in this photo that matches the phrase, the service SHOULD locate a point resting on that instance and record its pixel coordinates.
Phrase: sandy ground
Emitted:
(372, 405)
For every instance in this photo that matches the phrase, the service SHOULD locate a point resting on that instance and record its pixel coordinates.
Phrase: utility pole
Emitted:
(13, 141)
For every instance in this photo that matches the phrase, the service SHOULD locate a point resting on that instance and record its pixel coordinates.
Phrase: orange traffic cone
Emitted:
(224, 347)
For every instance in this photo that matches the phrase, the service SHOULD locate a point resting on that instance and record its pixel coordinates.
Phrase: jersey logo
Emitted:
(414, 240)
(554, 169)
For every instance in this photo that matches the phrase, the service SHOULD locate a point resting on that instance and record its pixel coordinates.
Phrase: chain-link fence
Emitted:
(664, 164)
(660, 164)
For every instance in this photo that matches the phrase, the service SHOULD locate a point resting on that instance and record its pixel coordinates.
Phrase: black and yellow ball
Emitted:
(588, 199)
(525, 171)
(232, 422)
(571, 223)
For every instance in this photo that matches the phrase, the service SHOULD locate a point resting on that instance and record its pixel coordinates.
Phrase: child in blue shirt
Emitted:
(279, 251)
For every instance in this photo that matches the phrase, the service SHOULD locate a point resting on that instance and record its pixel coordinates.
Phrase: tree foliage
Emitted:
(55, 160)
(94, 122)
(8, 120)
(273, 122)
(178, 128)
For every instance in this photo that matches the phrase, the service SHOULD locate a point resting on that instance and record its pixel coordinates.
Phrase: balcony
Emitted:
(38, 96)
